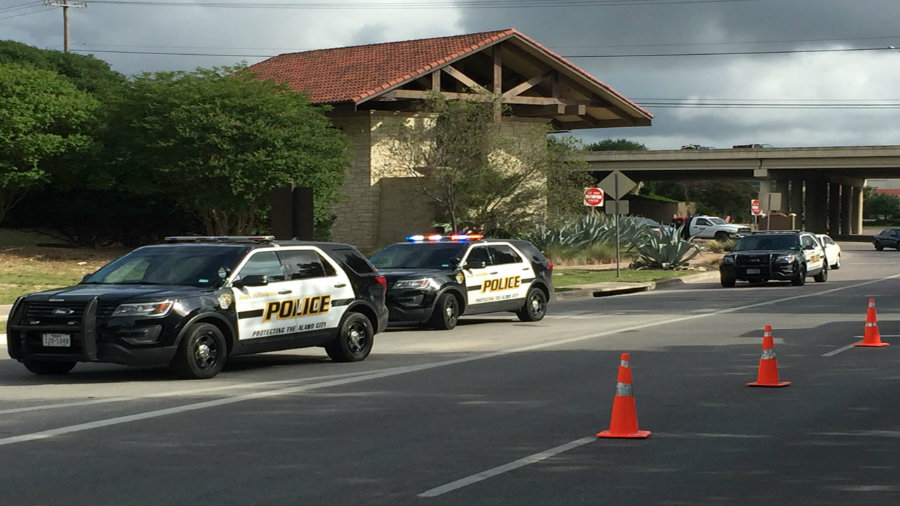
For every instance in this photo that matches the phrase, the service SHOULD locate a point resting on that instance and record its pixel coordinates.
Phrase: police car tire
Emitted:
(535, 306)
(48, 367)
(727, 281)
(822, 276)
(800, 276)
(354, 341)
(446, 312)
(201, 354)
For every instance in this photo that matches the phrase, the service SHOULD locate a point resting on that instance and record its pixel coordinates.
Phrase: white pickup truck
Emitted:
(712, 227)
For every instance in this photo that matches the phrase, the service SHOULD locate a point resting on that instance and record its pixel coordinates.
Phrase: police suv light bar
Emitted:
(438, 237)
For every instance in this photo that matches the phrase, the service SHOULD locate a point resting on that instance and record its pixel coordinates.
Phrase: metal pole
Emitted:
(65, 8)
(616, 186)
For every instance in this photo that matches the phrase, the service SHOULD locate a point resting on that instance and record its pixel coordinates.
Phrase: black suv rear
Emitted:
(775, 255)
(194, 301)
(433, 280)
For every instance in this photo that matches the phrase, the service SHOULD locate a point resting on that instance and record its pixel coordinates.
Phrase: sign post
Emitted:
(755, 210)
(617, 185)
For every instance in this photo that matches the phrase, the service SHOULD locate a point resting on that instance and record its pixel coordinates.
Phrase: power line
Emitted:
(429, 4)
(723, 53)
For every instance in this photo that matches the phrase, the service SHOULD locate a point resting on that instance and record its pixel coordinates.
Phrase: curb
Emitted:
(621, 288)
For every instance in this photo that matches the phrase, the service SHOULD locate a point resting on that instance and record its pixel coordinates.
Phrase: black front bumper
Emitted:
(410, 306)
(90, 337)
(759, 268)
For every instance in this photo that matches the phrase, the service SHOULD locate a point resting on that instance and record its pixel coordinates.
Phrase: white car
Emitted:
(832, 251)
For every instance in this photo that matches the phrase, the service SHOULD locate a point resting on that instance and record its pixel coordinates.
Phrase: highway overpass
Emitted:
(823, 185)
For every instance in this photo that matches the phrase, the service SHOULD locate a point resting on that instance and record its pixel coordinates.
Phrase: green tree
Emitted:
(877, 205)
(615, 145)
(219, 140)
(42, 115)
(484, 174)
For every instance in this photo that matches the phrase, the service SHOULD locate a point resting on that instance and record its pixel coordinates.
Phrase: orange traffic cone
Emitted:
(623, 423)
(768, 366)
(871, 336)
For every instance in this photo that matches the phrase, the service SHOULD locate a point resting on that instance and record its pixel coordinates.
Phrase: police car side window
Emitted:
(304, 264)
(479, 254)
(503, 254)
(263, 263)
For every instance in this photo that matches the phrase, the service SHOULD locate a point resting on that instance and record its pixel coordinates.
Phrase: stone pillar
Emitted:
(816, 202)
(846, 210)
(856, 210)
(834, 208)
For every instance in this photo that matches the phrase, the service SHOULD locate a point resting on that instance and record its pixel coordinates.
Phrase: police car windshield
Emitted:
(197, 265)
(768, 242)
(425, 255)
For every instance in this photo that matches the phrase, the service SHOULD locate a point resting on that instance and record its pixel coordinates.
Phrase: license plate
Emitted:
(752, 271)
(57, 340)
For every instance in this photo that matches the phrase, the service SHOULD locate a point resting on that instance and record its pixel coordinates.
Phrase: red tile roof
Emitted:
(356, 73)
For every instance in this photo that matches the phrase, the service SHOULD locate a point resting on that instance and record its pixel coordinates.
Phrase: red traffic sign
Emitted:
(754, 207)
(593, 197)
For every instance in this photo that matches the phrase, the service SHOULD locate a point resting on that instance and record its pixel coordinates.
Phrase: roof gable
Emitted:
(396, 71)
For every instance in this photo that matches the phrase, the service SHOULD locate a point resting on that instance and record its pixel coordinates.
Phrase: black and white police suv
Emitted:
(433, 280)
(784, 255)
(193, 301)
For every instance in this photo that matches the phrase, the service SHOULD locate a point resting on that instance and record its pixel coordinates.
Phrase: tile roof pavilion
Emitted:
(532, 80)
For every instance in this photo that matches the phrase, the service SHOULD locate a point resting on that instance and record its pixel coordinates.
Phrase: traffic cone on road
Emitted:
(768, 366)
(871, 336)
(623, 423)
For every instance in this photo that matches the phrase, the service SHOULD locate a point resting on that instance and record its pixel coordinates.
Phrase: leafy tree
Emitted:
(615, 145)
(877, 205)
(482, 174)
(42, 115)
(219, 140)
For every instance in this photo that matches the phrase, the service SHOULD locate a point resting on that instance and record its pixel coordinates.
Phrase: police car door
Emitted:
(321, 291)
(813, 251)
(302, 294)
(515, 274)
(478, 271)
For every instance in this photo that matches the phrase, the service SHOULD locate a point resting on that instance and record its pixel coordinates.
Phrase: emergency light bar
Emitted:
(438, 237)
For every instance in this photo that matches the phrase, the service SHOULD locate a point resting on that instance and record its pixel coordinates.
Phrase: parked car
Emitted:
(195, 301)
(433, 280)
(775, 255)
(887, 238)
(832, 251)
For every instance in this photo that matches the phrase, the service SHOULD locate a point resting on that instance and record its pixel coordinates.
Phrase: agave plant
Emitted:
(665, 250)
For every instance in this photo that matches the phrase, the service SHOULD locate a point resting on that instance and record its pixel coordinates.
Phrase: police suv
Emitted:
(193, 301)
(787, 255)
(433, 280)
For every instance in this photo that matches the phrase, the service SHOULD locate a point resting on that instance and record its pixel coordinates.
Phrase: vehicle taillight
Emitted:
(383, 282)
(550, 266)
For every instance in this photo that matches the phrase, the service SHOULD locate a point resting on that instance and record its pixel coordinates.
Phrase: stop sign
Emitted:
(754, 207)
(593, 197)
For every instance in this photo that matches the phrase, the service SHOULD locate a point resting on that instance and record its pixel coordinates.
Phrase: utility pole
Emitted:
(65, 7)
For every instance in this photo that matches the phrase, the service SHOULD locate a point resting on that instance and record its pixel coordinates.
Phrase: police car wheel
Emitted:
(822, 276)
(446, 312)
(535, 306)
(354, 341)
(727, 281)
(46, 367)
(201, 354)
(800, 276)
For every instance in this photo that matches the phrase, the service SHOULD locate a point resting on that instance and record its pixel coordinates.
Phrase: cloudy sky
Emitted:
(713, 72)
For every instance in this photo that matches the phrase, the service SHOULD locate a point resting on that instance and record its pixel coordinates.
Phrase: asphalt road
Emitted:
(498, 411)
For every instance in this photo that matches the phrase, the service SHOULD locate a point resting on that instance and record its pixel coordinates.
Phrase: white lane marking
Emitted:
(490, 473)
(395, 371)
(173, 393)
(839, 350)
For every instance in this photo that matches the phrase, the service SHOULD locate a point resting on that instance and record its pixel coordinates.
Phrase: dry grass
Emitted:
(27, 269)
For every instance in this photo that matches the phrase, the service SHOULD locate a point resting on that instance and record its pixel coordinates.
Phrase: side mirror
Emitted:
(475, 265)
(252, 280)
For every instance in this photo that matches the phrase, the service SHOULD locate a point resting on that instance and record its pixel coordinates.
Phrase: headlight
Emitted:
(413, 283)
(149, 309)
(728, 259)
(787, 259)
